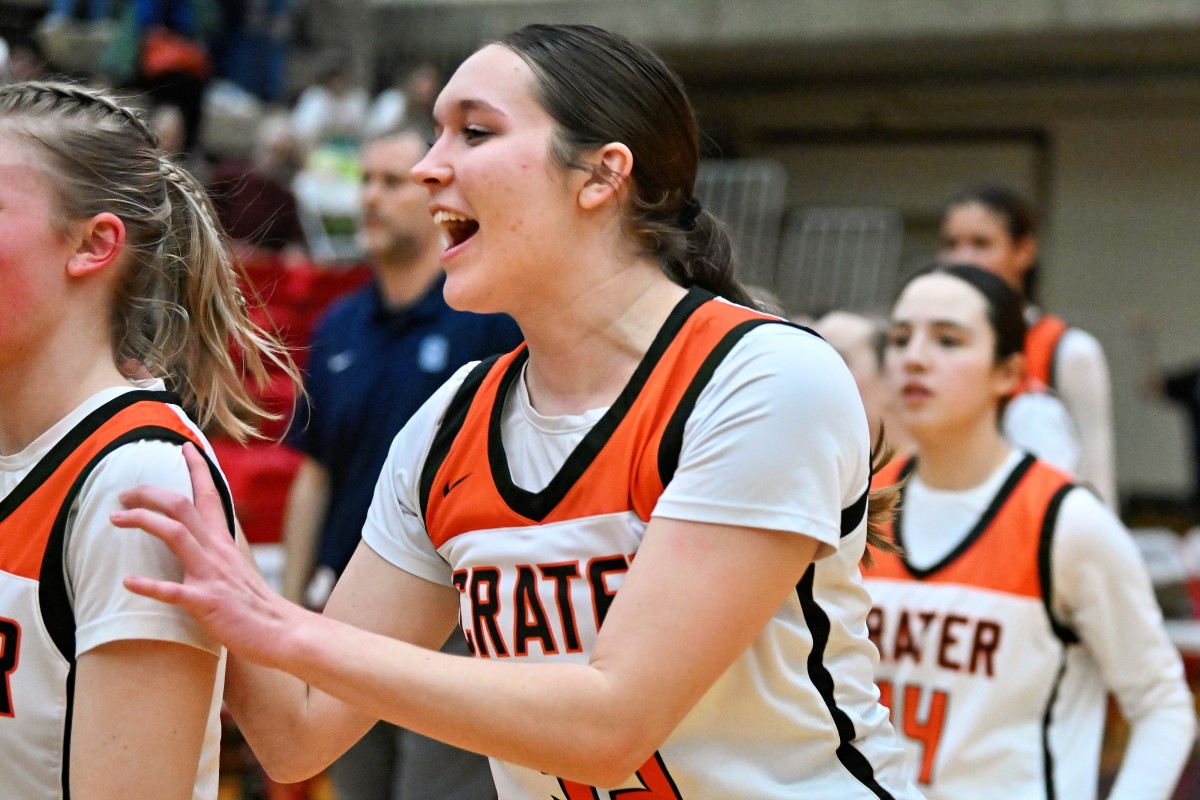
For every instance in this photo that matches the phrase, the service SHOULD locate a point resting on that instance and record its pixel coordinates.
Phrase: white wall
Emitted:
(1123, 238)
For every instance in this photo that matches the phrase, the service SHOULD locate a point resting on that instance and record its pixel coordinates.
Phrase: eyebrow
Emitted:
(933, 323)
(474, 104)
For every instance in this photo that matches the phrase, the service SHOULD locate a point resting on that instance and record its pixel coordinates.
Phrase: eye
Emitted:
(475, 134)
(949, 340)
(897, 338)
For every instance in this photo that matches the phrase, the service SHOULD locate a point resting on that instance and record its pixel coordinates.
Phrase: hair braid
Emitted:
(87, 97)
(176, 307)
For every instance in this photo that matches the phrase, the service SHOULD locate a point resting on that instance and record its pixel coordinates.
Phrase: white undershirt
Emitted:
(534, 460)
(937, 520)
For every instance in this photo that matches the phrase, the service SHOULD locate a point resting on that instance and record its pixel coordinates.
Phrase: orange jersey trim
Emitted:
(1041, 345)
(28, 514)
(621, 465)
(1008, 549)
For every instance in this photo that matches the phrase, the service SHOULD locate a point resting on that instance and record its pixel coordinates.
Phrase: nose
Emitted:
(959, 253)
(369, 192)
(432, 171)
(913, 354)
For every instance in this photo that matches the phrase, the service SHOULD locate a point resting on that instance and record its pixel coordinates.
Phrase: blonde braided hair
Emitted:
(177, 308)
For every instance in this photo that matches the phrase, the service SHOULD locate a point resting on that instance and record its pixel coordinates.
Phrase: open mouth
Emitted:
(457, 228)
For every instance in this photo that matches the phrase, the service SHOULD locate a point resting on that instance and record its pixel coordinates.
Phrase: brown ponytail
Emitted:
(882, 503)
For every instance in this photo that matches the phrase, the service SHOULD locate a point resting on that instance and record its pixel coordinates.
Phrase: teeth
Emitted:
(442, 217)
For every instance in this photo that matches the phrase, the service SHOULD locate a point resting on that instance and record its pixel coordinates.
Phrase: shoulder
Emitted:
(794, 388)
(793, 361)
(151, 462)
(1078, 344)
(1086, 527)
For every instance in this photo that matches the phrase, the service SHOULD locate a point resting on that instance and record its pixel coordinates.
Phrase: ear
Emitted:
(1009, 375)
(100, 241)
(1025, 254)
(613, 166)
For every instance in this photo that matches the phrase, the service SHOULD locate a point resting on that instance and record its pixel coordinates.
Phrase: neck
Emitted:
(962, 459)
(583, 353)
(41, 388)
(404, 280)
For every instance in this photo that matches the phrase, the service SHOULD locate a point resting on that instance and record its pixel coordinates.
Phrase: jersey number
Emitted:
(10, 642)
(656, 785)
(927, 730)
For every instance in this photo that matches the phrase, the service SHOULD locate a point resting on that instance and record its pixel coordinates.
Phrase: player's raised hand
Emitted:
(220, 588)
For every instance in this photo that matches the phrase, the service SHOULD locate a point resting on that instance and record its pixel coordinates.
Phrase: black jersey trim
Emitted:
(67, 725)
(981, 526)
(672, 438)
(537, 506)
(1064, 632)
(53, 599)
(1047, 720)
(62, 449)
(819, 625)
(855, 513)
(452, 421)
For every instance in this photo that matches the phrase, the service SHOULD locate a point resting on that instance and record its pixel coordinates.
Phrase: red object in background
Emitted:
(260, 475)
(284, 299)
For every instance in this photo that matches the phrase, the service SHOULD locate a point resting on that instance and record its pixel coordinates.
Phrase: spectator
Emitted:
(251, 49)
(23, 61)
(332, 111)
(409, 102)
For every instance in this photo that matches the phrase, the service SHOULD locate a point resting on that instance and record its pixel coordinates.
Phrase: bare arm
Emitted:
(140, 713)
(295, 730)
(595, 723)
(307, 504)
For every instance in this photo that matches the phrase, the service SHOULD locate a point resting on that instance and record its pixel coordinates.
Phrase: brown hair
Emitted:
(177, 308)
(882, 503)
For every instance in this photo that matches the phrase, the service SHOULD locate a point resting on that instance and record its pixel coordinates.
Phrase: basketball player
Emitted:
(1019, 601)
(648, 520)
(110, 264)
(991, 227)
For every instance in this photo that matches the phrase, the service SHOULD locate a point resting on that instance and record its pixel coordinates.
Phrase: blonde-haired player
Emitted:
(110, 266)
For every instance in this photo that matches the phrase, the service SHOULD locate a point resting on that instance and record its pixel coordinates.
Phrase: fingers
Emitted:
(164, 591)
(207, 498)
(175, 507)
(174, 534)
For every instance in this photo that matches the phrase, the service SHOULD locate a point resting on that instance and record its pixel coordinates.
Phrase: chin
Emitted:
(463, 294)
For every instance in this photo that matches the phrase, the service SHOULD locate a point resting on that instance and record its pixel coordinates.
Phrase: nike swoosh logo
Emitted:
(339, 362)
(446, 489)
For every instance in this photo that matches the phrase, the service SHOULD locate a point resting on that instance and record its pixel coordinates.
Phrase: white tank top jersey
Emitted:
(536, 520)
(61, 572)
